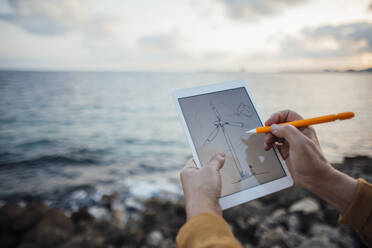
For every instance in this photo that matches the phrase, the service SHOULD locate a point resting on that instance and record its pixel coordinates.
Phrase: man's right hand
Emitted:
(299, 148)
(309, 168)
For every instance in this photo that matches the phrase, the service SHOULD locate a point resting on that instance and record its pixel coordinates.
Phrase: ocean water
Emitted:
(119, 131)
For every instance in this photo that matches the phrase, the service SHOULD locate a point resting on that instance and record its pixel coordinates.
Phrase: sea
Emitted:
(71, 137)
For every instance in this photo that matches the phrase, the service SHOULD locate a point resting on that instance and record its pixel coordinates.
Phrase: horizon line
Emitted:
(325, 70)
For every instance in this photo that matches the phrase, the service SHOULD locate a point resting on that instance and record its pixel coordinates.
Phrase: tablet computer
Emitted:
(215, 117)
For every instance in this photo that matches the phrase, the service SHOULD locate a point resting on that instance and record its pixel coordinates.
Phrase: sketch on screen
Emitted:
(222, 125)
(243, 110)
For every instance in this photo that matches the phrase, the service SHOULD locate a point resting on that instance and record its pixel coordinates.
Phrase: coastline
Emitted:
(289, 218)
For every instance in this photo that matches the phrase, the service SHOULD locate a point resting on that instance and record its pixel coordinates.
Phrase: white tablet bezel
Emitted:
(244, 195)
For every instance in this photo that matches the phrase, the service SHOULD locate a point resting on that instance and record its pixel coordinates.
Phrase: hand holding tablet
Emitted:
(215, 118)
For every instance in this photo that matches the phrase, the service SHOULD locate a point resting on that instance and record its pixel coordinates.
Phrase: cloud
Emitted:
(329, 41)
(57, 17)
(251, 10)
(163, 46)
(159, 41)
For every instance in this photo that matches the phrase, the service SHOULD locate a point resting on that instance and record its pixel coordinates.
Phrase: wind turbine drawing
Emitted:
(221, 124)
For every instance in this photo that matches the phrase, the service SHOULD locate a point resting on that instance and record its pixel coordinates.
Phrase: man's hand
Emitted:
(202, 187)
(299, 148)
(308, 166)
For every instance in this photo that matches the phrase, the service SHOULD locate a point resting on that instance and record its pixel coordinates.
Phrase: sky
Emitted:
(186, 35)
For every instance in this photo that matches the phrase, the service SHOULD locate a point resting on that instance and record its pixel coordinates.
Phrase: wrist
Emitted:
(320, 179)
(336, 188)
(202, 204)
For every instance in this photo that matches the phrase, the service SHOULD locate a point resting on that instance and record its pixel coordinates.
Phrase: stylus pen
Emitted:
(307, 122)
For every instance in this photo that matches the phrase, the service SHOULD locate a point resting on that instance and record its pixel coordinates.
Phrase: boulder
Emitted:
(293, 223)
(154, 238)
(278, 217)
(33, 213)
(333, 234)
(317, 242)
(9, 214)
(307, 206)
(274, 237)
(53, 230)
(100, 213)
(7, 240)
(324, 230)
(118, 214)
(108, 200)
(167, 243)
(278, 213)
(27, 245)
(90, 240)
(295, 239)
(83, 219)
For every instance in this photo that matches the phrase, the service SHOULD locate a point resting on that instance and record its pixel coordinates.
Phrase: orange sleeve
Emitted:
(206, 230)
(359, 214)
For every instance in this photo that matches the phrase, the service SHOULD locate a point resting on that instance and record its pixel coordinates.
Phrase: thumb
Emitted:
(288, 132)
(217, 160)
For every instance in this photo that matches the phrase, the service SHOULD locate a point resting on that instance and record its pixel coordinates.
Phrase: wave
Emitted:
(31, 144)
(151, 142)
(77, 157)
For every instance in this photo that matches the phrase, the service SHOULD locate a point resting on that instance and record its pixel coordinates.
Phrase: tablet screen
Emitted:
(218, 121)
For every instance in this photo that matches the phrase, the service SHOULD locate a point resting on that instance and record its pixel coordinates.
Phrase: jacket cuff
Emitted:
(202, 229)
(360, 207)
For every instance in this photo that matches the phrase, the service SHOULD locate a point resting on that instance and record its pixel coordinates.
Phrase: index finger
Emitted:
(283, 116)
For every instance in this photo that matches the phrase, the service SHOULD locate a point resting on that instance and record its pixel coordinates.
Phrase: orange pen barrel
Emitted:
(311, 121)
(345, 115)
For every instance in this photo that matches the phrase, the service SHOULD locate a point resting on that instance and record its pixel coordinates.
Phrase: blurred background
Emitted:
(85, 85)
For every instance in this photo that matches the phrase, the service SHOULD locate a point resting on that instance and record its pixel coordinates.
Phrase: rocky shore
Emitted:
(290, 218)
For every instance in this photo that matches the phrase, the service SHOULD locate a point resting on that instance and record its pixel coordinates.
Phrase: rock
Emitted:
(274, 237)
(7, 240)
(108, 200)
(154, 238)
(82, 215)
(53, 230)
(168, 243)
(92, 240)
(241, 223)
(33, 213)
(253, 221)
(333, 234)
(49, 236)
(99, 213)
(255, 204)
(9, 214)
(278, 213)
(156, 211)
(330, 216)
(82, 219)
(307, 206)
(293, 223)
(317, 242)
(278, 217)
(295, 239)
(118, 214)
(323, 230)
(57, 218)
(27, 245)
(248, 246)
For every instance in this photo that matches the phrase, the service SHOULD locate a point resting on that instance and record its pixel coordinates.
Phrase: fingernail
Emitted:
(220, 154)
(274, 128)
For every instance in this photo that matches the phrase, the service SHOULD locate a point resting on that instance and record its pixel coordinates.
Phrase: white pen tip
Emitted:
(251, 131)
